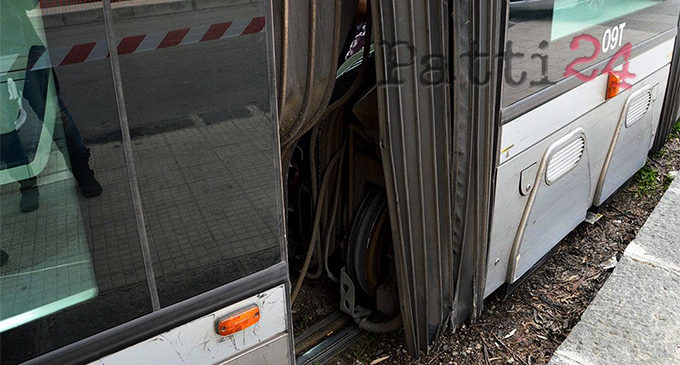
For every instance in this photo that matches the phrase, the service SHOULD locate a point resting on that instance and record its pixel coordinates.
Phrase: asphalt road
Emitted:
(165, 89)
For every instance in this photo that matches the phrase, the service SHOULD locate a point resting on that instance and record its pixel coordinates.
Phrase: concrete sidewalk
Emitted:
(635, 317)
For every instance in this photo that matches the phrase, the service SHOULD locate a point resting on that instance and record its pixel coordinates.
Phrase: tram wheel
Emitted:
(370, 243)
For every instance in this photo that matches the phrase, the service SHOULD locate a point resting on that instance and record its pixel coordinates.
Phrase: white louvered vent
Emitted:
(564, 158)
(638, 107)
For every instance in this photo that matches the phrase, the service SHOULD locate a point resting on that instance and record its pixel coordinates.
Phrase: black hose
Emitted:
(382, 327)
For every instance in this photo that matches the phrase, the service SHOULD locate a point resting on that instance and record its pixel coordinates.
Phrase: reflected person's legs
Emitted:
(78, 154)
(12, 154)
(35, 91)
(36, 83)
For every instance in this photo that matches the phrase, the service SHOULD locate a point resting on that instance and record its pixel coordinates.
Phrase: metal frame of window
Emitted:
(129, 158)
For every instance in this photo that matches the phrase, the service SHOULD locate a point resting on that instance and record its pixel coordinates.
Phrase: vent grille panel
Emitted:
(638, 107)
(564, 159)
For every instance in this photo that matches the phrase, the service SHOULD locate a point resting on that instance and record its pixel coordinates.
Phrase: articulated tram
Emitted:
(250, 182)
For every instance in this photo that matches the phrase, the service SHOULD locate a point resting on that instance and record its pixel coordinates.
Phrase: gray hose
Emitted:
(317, 217)
(331, 224)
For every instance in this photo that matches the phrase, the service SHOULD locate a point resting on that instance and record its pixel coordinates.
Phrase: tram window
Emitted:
(550, 40)
(197, 99)
(197, 89)
(71, 264)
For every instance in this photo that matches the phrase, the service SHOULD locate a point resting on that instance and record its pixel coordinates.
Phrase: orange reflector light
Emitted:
(239, 320)
(613, 85)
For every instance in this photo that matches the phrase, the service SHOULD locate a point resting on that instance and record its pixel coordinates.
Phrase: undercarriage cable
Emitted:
(317, 217)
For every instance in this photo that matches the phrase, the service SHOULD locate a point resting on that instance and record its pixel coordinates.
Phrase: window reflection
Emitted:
(571, 17)
(549, 40)
(70, 261)
(196, 84)
(197, 98)
(39, 144)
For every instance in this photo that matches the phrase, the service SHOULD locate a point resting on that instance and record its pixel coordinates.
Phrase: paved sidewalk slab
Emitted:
(635, 317)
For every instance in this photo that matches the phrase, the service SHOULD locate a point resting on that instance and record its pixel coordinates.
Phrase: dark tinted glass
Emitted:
(71, 262)
(549, 40)
(197, 98)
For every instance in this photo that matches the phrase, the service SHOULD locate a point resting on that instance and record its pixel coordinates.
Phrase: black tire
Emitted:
(372, 210)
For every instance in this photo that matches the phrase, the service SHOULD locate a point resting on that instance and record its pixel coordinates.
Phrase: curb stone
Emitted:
(634, 317)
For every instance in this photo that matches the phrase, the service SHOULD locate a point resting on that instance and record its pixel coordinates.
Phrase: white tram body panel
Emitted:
(588, 145)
